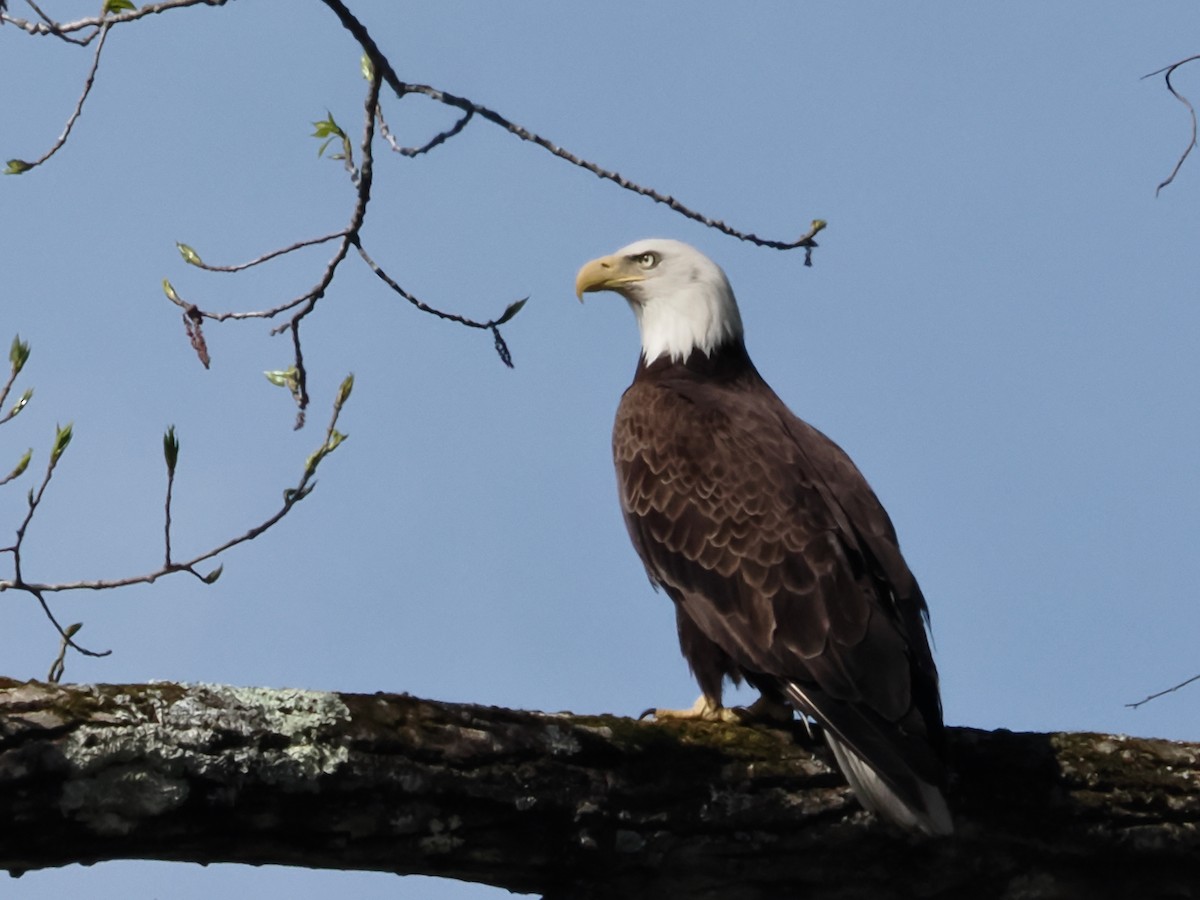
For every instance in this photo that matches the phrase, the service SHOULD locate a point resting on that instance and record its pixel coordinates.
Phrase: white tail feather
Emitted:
(879, 797)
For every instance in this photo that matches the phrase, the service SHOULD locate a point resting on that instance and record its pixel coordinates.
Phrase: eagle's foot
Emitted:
(703, 710)
(763, 710)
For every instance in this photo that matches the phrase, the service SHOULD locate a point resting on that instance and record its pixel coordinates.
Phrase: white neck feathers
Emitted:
(687, 305)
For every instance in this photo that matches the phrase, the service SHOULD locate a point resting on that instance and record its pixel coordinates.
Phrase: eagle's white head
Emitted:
(682, 299)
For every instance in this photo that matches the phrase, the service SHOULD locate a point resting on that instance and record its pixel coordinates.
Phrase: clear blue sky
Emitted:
(1002, 327)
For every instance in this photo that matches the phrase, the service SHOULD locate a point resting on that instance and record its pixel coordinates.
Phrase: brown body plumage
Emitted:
(782, 564)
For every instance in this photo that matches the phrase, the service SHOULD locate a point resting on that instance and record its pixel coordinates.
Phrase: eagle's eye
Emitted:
(647, 260)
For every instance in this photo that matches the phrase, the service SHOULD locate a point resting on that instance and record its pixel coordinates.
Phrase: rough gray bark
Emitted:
(568, 806)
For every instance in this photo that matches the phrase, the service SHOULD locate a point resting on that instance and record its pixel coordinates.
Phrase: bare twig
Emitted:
(59, 666)
(362, 176)
(190, 256)
(61, 439)
(52, 25)
(293, 495)
(439, 138)
(378, 70)
(67, 635)
(301, 378)
(1169, 71)
(1163, 693)
(491, 325)
(17, 166)
(93, 24)
(401, 89)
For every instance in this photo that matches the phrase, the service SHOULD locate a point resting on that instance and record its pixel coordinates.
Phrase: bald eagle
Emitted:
(783, 567)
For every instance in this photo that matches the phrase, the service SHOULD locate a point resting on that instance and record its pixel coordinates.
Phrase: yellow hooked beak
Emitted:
(608, 273)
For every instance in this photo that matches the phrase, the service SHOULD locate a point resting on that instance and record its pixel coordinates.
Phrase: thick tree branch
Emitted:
(567, 806)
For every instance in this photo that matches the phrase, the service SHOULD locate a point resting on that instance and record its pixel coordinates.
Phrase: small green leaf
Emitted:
(21, 466)
(17, 167)
(327, 127)
(18, 354)
(283, 377)
(115, 6)
(343, 393)
(212, 576)
(818, 225)
(512, 310)
(330, 131)
(62, 437)
(71, 630)
(170, 292)
(171, 449)
(22, 403)
(367, 68)
(190, 256)
(335, 439)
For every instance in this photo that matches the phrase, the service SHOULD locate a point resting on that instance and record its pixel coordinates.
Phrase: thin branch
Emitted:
(301, 381)
(62, 438)
(417, 301)
(59, 666)
(194, 312)
(332, 438)
(378, 71)
(167, 524)
(491, 325)
(1163, 693)
(192, 258)
(4, 391)
(469, 108)
(93, 24)
(66, 635)
(1170, 70)
(53, 26)
(440, 138)
(17, 166)
(362, 177)
(401, 88)
(171, 456)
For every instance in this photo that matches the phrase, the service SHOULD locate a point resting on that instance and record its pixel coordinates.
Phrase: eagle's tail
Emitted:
(923, 808)
(883, 779)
